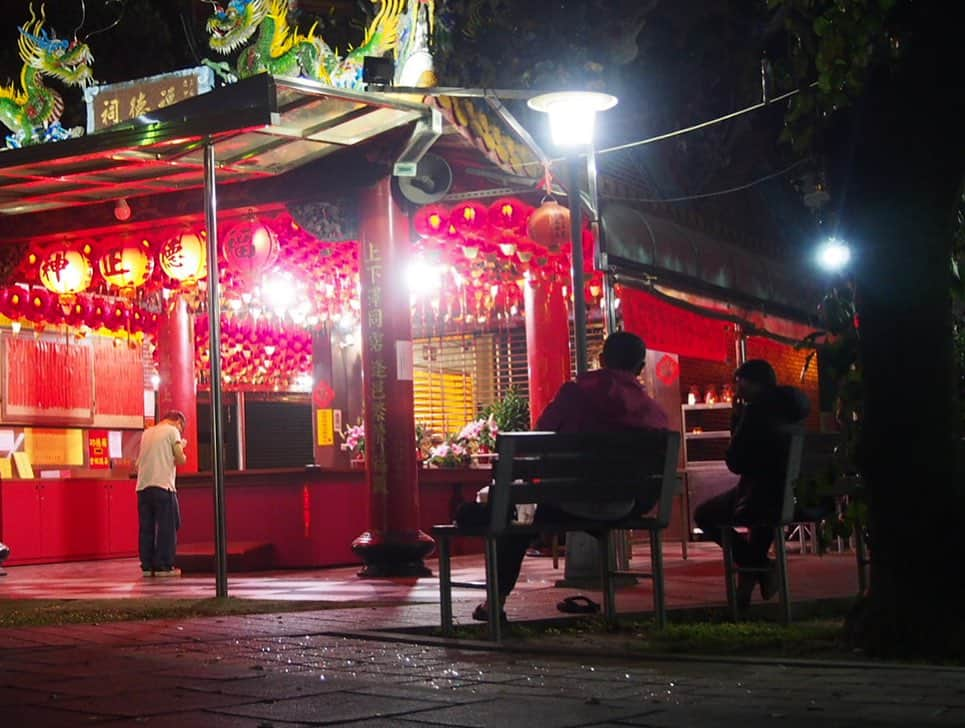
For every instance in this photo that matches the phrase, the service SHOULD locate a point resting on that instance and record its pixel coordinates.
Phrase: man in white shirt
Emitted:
(162, 450)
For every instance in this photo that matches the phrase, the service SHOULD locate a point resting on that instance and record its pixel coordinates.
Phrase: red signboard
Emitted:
(98, 454)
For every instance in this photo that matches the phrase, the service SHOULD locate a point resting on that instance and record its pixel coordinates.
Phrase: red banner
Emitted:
(98, 452)
(665, 327)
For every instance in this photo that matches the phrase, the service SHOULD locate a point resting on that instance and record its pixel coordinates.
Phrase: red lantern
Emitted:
(65, 270)
(549, 225)
(469, 217)
(508, 214)
(184, 257)
(430, 221)
(126, 265)
(250, 248)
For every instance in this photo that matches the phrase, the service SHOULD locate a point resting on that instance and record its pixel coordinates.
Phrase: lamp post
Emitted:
(572, 116)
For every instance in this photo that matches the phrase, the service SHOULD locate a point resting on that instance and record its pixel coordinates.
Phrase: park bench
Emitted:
(551, 468)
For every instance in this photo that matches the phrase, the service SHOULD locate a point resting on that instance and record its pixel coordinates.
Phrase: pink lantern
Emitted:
(250, 247)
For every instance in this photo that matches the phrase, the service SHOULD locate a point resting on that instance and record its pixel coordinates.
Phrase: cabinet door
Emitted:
(122, 518)
(74, 515)
(21, 526)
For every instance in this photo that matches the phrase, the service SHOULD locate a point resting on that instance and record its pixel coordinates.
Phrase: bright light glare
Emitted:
(424, 278)
(833, 255)
(279, 293)
(572, 114)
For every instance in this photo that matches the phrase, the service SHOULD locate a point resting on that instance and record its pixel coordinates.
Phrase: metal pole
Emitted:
(576, 237)
(600, 261)
(242, 429)
(214, 331)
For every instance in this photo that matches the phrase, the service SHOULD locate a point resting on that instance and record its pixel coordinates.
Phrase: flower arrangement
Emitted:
(353, 440)
(479, 436)
(450, 454)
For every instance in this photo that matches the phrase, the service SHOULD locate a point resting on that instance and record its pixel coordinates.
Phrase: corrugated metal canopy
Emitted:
(260, 127)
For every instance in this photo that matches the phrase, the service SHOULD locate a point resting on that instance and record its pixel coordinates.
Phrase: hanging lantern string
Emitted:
(547, 179)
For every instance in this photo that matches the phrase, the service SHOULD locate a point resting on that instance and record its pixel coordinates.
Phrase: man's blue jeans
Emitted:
(160, 518)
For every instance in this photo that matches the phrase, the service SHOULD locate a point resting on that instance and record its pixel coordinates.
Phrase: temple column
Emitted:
(393, 545)
(178, 389)
(547, 343)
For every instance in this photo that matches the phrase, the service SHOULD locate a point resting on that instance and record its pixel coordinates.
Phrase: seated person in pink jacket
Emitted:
(610, 399)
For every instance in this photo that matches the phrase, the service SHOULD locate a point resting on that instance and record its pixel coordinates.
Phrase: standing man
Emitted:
(162, 450)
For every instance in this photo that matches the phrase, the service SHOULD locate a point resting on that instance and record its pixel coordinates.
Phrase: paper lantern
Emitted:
(430, 221)
(549, 225)
(508, 214)
(250, 248)
(469, 217)
(126, 265)
(65, 270)
(184, 257)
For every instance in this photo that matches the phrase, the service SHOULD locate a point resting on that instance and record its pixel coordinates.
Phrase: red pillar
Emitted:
(393, 545)
(547, 343)
(177, 390)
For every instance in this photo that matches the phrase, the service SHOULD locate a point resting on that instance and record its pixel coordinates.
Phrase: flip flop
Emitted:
(578, 605)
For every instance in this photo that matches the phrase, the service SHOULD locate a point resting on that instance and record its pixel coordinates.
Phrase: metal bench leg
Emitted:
(656, 569)
(445, 585)
(492, 591)
(729, 572)
(607, 564)
(781, 552)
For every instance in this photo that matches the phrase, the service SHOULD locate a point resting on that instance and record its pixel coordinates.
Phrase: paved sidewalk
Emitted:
(302, 669)
(329, 666)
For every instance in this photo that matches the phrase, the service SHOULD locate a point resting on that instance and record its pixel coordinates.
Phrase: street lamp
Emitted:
(833, 255)
(572, 117)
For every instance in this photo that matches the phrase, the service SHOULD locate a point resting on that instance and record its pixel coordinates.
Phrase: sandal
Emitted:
(578, 605)
(481, 613)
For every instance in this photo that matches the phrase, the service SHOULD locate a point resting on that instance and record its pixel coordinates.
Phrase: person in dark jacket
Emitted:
(758, 453)
(610, 399)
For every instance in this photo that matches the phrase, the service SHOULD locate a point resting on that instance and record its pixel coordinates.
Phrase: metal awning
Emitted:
(262, 126)
(640, 243)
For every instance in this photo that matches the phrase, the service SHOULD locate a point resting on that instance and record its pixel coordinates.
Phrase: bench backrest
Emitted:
(555, 468)
(795, 451)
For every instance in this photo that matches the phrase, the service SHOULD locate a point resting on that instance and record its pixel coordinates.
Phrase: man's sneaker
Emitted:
(173, 571)
(147, 572)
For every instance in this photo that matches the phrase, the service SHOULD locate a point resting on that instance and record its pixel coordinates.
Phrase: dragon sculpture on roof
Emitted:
(280, 49)
(32, 110)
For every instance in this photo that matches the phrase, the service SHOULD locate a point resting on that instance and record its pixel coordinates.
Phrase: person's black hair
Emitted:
(175, 415)
(757, 371)
(625, 351)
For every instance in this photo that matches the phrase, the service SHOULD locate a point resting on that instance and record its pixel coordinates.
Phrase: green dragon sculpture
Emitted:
(281, 50)
(32, 111)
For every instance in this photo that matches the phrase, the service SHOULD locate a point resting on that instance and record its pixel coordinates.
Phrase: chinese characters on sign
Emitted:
(372, 261)
(98, 451)
(117, 103)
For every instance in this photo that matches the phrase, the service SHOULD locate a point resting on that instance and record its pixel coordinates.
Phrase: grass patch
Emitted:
(44, 612)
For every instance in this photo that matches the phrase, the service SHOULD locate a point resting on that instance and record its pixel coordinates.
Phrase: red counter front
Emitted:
(308, 516)
(45, 521)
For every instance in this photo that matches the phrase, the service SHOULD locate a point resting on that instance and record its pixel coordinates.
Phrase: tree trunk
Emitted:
(905, 177)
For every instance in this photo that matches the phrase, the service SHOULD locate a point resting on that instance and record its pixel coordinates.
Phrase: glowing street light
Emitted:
(572, 117)
(833, 255)
(572, 114)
